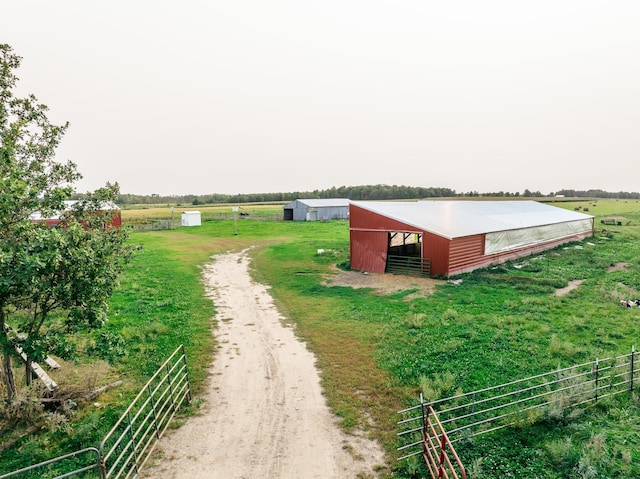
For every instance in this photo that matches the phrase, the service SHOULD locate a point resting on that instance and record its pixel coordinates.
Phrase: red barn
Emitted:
(446, 238)
(116, 221)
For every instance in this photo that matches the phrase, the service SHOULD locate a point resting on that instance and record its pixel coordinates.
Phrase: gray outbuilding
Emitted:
(317, 210)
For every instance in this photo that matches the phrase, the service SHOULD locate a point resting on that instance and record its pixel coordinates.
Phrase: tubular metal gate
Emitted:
(436, 449)
(408, 265)
(52, 468)
(128, 445)
(525, 400)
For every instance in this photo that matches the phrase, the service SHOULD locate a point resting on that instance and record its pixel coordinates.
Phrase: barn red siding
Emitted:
(436, 249)
(369, 250)
(369, 233)
(465, 251)
(363, 219)
(116, 221)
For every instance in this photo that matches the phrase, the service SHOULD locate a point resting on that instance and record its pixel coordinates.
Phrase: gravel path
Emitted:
(265, 416)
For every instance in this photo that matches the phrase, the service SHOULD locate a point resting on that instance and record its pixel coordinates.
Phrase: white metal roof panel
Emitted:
(454, 219)
(325, 202)
(37, 215)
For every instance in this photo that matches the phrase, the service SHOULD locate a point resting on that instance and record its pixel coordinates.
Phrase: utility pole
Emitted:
(235, 219)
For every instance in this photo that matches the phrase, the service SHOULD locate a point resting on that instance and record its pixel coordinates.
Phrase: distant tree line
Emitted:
(364, 192)
(599, 194)
(356, 193)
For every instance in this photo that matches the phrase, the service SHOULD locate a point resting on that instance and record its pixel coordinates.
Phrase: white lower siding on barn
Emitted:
(500, 241)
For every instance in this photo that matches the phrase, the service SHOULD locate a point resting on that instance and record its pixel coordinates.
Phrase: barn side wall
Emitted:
(368, 250)
(332, 213)
(116, 221)
(366, 220)
(501, 241)
(436, 249)
(465, 252)
(300, 211)
(484, 261)
(369, 233)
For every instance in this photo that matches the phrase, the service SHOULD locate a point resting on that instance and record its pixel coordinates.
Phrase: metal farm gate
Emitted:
(437, 451)
(497, 407)
(408, 266)
(128, 445)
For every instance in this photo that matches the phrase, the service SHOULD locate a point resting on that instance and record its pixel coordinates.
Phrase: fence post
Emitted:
(473, 412)
(633, 354)
(424, 425)
(597, 377)
(102, 467)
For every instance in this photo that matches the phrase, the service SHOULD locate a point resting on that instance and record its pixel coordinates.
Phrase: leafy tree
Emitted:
(53, 281)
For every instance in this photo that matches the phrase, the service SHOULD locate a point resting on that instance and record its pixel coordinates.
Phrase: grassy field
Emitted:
(376, 351)
(140, 214)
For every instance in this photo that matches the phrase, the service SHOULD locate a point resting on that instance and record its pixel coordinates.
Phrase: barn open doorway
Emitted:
(405, 244)
(404, 254)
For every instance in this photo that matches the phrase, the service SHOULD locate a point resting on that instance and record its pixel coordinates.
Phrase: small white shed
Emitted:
(191, 218)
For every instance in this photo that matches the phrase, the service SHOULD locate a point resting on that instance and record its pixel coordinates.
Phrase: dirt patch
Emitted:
(618, 267)
(577, 282)
(383, 284)
(570, 287)
(264, 415)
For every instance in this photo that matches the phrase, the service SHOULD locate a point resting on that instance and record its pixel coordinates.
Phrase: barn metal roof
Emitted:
(453, 219)
(322, 203)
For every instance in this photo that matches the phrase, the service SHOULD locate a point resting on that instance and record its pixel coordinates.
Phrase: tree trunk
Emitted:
(28, 374)
(7, 371)
(9, 380)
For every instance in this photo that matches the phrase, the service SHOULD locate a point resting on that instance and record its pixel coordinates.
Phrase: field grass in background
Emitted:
(376, 351)
(140, 214)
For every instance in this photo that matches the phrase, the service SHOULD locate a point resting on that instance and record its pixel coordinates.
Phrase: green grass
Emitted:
(376, 352)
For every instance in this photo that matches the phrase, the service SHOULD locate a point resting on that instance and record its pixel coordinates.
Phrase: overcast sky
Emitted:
(241, 96)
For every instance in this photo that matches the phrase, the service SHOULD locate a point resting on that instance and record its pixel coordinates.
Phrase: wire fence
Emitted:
(524, 401)
(152, 224)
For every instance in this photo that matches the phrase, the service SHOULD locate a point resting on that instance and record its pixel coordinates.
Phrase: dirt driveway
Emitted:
(264, 416)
